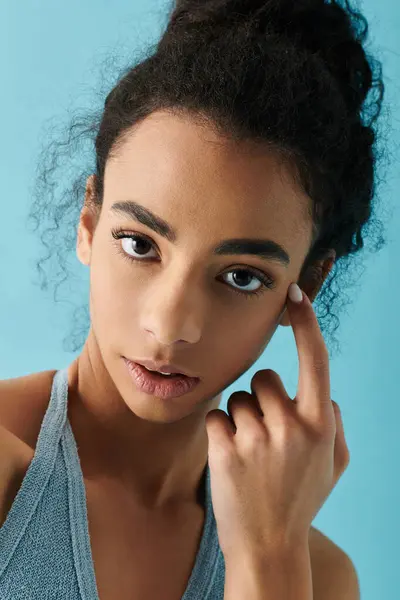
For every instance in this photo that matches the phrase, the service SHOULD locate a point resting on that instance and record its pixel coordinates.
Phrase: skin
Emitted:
(177, 301)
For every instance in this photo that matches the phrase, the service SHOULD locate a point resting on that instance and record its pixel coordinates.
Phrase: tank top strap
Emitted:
(54, 420)
(39, 470)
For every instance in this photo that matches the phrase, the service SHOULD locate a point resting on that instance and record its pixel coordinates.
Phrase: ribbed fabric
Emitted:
(45, 548)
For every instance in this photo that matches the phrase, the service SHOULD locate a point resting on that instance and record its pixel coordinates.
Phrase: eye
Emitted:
(143, 243)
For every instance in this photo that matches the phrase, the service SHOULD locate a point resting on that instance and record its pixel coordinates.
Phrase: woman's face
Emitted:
(177, 299)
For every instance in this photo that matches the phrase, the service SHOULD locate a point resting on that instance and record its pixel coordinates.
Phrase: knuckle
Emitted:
(287, 430)
(237, 398)
(224, 456)
(321, 434)
(263, 377)
(254, 442)
(345, 457)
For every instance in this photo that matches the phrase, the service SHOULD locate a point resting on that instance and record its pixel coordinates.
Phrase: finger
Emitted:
(341, 450)
(275, 403)
(220, 431)
(245, 413)
(243, 399)
(313, 392)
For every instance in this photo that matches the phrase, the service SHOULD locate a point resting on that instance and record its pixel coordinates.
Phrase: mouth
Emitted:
(161, 373)
(167, 369)
(156, 384)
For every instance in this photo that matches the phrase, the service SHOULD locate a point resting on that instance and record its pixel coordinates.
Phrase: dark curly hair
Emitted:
(291, 75)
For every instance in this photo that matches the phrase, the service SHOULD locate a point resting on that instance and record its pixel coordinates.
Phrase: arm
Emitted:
(337, 580)
(284, 575)
(333, 577)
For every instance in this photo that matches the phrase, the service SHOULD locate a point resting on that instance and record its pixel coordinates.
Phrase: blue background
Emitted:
(53, 58)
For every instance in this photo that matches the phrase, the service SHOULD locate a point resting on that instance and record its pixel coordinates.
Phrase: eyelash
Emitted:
(267, 282)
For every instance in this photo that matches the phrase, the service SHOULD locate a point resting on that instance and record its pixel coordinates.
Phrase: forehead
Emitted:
(187, 172)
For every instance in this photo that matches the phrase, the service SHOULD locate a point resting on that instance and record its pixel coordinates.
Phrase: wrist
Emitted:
(277, 573)
(257, 557)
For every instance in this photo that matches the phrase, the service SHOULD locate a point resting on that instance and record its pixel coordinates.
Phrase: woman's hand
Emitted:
(270, 476)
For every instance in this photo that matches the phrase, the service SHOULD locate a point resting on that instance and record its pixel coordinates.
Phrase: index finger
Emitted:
(313, 392)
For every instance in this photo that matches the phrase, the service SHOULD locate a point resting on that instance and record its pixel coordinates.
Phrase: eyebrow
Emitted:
(265, 249)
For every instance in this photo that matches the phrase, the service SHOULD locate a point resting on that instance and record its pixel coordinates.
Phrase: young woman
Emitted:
(230, 163)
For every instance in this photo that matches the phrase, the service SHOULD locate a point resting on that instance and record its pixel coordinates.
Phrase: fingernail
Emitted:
(295, 293)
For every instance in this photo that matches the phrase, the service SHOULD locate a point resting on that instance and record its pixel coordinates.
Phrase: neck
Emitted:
(158, 462)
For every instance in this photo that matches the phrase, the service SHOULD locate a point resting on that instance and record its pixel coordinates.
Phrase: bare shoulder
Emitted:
(23, 403)
(334, 574)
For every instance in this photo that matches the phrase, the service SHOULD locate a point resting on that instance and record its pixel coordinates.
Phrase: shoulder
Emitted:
(333, 572)
(23, 402)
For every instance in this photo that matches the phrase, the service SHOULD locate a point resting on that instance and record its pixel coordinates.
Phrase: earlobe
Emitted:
(285, 319)
(81, 252)
(311, 282)
(84, 239)
(87, 224)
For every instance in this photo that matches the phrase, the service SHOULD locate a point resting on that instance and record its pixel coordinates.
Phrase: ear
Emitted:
(87, 223)
(312, 280)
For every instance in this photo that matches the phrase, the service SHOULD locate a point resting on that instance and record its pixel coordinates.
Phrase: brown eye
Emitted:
(134, 245)
(135, 248)
(137, 245)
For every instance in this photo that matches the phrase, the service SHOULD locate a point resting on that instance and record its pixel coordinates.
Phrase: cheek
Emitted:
(114, 300)
(236, 349)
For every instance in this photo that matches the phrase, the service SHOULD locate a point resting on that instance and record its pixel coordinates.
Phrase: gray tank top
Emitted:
(45, 548)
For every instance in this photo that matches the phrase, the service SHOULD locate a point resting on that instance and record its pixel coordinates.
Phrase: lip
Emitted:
(165, 368)
(155, 384)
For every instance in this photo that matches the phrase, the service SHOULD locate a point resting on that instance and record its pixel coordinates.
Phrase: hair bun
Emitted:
(328, 29)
